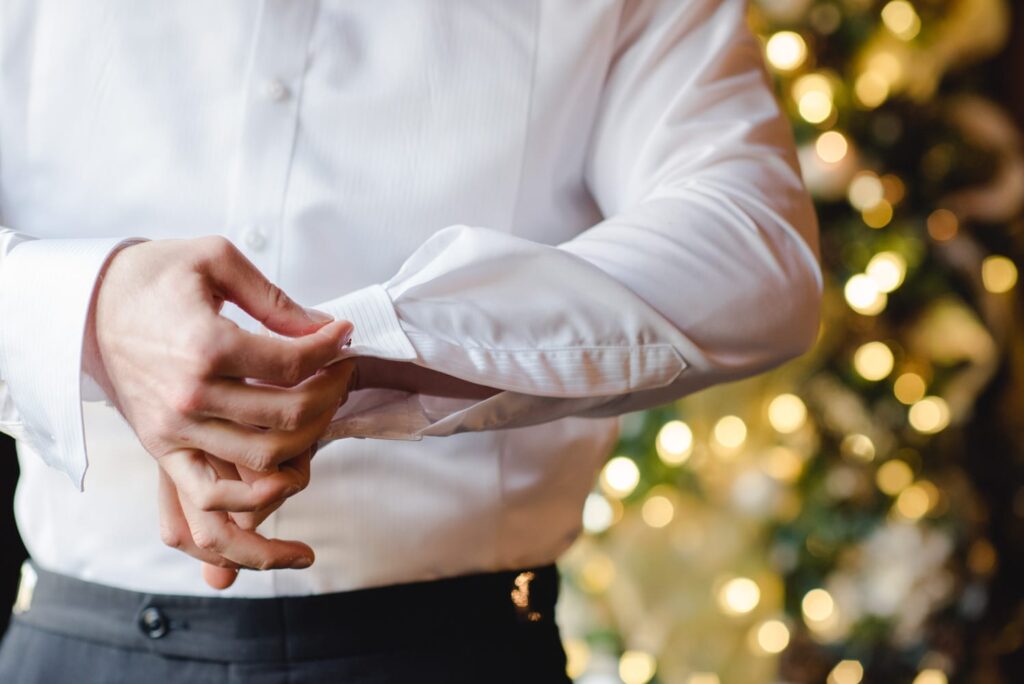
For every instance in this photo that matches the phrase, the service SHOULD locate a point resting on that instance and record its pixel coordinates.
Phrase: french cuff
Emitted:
(46, 287)
(377, 331)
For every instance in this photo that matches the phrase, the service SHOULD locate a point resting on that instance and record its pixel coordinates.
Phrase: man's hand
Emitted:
(182, 375)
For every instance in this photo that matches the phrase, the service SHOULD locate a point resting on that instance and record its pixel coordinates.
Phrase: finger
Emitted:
(251, 521)
(236, 279)
(219, 578)
(174, 529)
(282, 361)
(259, 450)
(216, 533)
(195, 478)
(278, 408)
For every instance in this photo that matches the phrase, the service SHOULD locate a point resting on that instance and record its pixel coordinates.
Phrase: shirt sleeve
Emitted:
(706, 269)
(46, 289)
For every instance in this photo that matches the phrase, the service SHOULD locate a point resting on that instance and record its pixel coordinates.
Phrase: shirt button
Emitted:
(275, 90)
(152, 622)
(255, 240)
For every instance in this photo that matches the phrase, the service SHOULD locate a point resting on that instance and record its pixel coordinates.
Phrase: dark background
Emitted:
(999, 454)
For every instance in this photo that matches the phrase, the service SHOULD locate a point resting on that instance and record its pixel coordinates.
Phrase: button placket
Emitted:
(269, 129)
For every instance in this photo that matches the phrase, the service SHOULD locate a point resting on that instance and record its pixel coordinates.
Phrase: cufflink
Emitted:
(26, 587)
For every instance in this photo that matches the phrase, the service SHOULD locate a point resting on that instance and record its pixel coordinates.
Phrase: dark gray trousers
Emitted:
(493, 628)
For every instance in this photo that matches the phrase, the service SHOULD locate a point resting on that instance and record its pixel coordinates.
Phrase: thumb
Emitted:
(238, 280)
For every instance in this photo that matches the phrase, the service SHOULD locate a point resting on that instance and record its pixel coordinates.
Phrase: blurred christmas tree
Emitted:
(820, 523)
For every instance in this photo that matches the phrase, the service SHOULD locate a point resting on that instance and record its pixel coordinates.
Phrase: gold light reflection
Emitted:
(943, 225)
(787, 413)
(873, 360)
(900, 17)
(832, 147)
(863, 295)
(786, 50)
(888, 270)
(730, 431)
(771, 636)
(909, 388)
(894, 476)
(636, 667)
(846, 672)
(657, 511)
(674, 443)
(998, 274)
(818, 605)
(620, 477)
(929, 415)
(871, 89)
(739, 596)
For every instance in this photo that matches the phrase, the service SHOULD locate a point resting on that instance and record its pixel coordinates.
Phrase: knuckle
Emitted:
(217, 247)
(203, 348)
(261, 459)
(276, 297)
(292, 368)
(205, 500)
(298, 413)
(205, 540)
(171, 537)
(188, 399)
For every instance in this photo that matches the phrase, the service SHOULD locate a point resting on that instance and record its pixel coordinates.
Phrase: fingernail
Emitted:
(292, 491)
(302, 562)
(318, 316)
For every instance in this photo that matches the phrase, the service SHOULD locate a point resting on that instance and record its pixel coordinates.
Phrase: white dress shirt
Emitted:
(592, 206)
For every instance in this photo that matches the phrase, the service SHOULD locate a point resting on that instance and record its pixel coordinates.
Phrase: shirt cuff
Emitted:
(46, 288)
(377, 331)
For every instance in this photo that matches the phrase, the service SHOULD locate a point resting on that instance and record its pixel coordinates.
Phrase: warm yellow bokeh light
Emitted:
(818, 605)
(787, 413)
(730, 431)
(657, 511)
(620, 477)
(815, 107)
(783, 464)
(909, 388)
(812, 83)
(913, 502)
(894, 476)
(943, 225)
(846, 672)
(878, 216)
(873, 360)
(636, 667)
(858, 446)
(887, 269)
(786, 50)
(772, 636)
(886, 65)
(998, 274)
(703, 678)
(866, 191)
(598, 514)
(674, 443)
(739, 596)
(863, 295)
(900, 17)
(597, 573)
(929, 415)
(871, 89)
(577, 657)
(931, 676)
(832, 146)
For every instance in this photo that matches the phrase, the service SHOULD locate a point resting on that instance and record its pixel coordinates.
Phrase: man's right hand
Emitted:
(182, 375)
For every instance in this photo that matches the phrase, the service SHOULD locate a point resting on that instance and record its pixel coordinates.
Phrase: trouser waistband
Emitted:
(495, 605)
